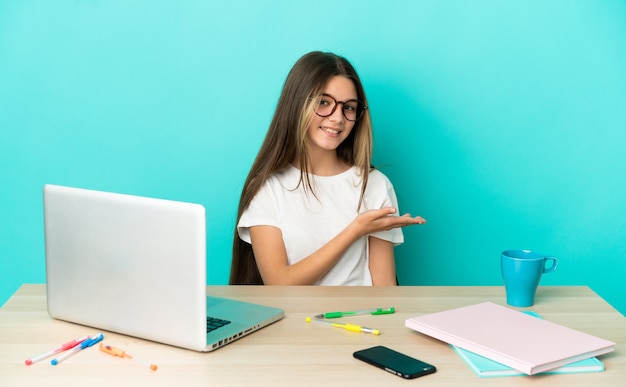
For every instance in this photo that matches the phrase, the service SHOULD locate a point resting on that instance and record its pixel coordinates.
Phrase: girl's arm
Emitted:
(381, 262)
(271, 255)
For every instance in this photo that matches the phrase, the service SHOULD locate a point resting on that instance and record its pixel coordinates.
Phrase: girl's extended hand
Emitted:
(373, 221)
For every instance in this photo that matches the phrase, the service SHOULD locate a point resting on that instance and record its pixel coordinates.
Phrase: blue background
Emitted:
(501, 122)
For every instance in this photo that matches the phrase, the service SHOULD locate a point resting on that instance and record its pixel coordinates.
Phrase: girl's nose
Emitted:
(337, 115)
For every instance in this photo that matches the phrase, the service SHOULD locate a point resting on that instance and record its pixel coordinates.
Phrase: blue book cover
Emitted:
(487, 368)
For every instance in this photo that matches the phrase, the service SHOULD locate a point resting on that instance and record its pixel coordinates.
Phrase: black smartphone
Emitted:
(395, 362)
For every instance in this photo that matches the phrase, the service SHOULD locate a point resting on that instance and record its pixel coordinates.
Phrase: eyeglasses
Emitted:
(352, 109)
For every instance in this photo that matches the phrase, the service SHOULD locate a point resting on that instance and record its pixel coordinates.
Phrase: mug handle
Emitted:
(552, 268)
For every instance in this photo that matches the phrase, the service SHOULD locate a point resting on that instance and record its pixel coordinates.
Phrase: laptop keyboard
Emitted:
(213, 323)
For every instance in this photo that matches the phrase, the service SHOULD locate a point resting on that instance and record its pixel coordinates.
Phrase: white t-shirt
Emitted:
(307, 223)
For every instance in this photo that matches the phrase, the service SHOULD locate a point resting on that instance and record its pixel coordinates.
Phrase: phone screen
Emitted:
(395, 362)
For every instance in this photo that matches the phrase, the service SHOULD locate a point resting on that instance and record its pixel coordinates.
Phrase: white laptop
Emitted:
(137, 266)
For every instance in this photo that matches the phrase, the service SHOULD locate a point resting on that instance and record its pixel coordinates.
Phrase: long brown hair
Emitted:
(286, 142)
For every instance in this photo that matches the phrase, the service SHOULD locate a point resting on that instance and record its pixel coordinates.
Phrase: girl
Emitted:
(312, 210)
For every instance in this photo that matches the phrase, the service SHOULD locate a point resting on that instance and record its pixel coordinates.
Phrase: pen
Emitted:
(85, 344)
(348, 327)
(374, 311)
(64, 347)
(120, 353)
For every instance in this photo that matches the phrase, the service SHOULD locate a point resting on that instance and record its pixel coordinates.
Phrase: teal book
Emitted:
(487, 368)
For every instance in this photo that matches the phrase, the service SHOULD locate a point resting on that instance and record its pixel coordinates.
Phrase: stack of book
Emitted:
(497, 341)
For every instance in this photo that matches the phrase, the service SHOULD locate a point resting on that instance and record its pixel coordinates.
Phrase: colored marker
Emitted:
(348, 327)
(374, 312)
(85, 344)
(120, 353)
(64, 347)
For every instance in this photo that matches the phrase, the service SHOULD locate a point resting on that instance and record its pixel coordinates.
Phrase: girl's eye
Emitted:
(350, 107)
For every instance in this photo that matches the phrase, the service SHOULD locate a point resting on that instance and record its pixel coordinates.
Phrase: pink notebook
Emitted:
(513, 338)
